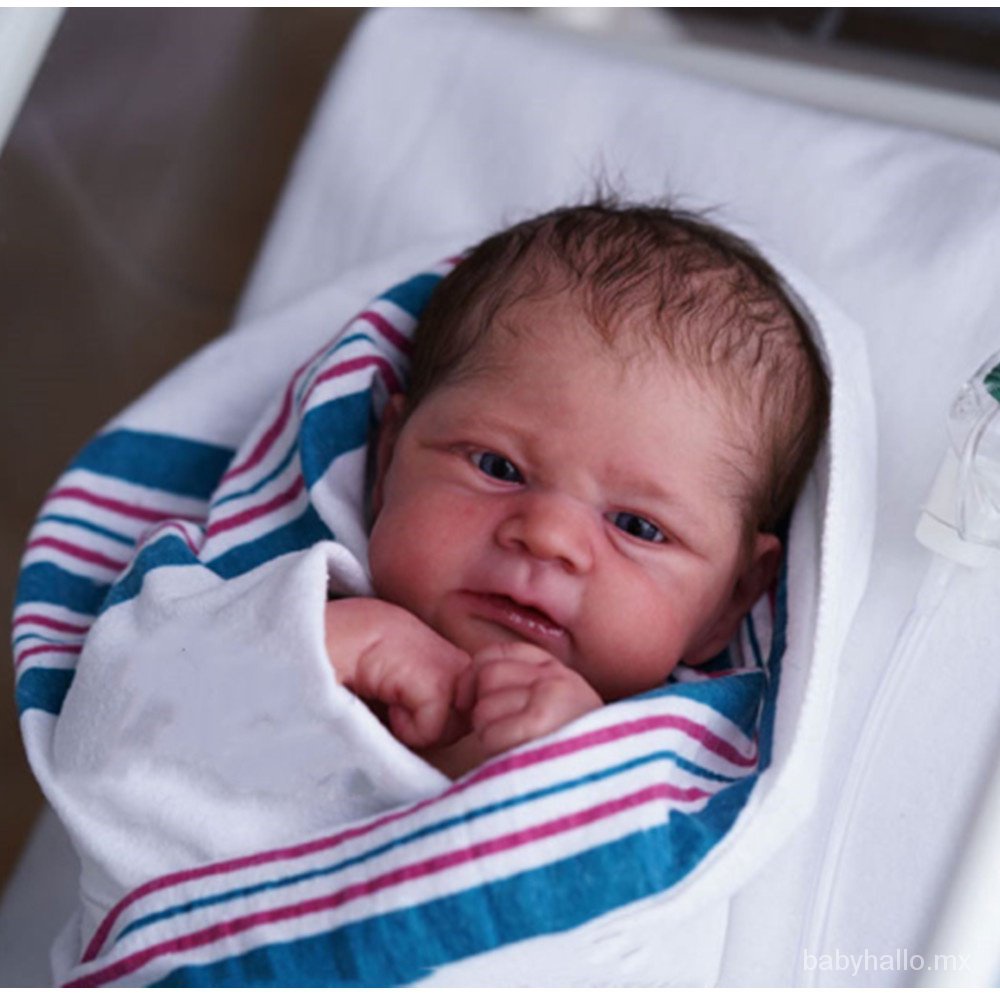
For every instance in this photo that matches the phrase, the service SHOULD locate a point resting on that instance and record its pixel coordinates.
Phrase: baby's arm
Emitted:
(383, 653)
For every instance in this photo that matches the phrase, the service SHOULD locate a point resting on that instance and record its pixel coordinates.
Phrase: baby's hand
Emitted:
(523, 693)
(383, 653)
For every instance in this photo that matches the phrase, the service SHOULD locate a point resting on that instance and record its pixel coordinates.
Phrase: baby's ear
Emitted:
(392, 423)
(759, 573)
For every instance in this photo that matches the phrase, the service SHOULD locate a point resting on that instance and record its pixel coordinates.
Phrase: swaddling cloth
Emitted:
(226, 795)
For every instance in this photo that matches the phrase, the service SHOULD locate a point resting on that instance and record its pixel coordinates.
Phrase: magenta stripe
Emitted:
(50, 648)
(119, 507)
(51, 623)
(177, 526)
(87, 555)
(505, 765)
(357, 364)
(278, 425)
(268, 438)
(387, 330)
(408, 873)
(622, 730)
(252, 513)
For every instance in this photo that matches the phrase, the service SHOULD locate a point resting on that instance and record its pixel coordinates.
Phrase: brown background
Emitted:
(134, 190)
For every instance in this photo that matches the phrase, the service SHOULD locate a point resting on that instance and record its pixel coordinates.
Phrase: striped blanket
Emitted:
(242, 820)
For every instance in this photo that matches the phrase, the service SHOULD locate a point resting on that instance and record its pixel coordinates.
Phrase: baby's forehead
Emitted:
(726, 373)
(628, 336)
(628, 360)
(634, 343)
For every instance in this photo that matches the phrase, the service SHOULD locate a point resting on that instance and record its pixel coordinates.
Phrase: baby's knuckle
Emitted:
(481, 716)
(492, 674)
(540, 712)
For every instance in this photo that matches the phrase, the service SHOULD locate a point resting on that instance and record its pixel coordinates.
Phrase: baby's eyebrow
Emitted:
(644, 486)
(473, 420)
(642, 489)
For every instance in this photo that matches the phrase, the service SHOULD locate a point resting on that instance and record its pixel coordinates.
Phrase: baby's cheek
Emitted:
(633, 647)
(379, 556)
(402, 563)
(388, 556)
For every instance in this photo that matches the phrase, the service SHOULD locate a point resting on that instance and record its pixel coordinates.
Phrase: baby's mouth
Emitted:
(529, 622)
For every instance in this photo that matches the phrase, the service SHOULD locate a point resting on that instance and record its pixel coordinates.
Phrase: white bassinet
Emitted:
(438, 125)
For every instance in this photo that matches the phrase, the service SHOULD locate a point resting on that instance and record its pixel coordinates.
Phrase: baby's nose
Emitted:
(550, 528)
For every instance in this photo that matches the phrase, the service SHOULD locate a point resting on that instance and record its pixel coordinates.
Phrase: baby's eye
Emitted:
(638, 527)
(496, 466)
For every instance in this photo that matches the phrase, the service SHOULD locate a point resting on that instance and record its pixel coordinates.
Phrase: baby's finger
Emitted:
(523, 652)
(422, 725)
(499, 705)
(455, 727)
(506, 733)
(465, 690)
(498, 675)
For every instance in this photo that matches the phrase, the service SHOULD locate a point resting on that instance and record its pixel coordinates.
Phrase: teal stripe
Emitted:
(258, 486)
(992, 382)
(331, 430)
(160, 461)
(737, 697)
(96, 529)
(43, 688)
(402, 947)
(55, 640)
(413, 295)
(315, 429)
(51, 584)
(423, 833)
(306, 381)
(167, 551)
(299, 534)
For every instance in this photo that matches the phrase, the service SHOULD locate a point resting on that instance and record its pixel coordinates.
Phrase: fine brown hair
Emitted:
(704, 296)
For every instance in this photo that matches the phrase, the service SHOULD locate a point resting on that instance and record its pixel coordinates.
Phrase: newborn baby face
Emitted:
(561, 496)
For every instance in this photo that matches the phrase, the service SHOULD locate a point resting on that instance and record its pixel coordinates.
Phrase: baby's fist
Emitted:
(385, 654)
(523, 693)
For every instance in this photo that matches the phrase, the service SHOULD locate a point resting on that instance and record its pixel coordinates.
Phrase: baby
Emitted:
(610, 410)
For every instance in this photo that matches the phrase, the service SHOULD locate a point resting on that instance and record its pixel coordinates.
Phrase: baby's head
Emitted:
(611, 410)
